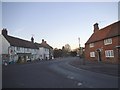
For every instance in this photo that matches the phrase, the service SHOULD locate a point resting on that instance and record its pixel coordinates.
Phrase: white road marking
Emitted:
(79, 84)
(70, 77)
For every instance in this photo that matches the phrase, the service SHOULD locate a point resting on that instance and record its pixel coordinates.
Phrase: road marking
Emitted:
(70, 77)
(79, 84)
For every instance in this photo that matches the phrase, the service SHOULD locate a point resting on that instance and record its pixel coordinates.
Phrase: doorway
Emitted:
(99, 55)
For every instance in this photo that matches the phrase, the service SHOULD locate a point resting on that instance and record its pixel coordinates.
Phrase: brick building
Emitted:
(104, 44)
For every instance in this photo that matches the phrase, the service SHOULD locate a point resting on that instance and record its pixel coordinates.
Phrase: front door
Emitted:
(99, 55)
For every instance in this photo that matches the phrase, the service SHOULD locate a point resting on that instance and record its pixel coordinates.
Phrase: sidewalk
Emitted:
(98, 67)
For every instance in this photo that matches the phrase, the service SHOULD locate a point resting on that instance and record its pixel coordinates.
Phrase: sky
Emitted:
(58, 23)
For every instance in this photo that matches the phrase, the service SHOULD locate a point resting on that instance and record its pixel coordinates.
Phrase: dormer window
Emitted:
(108, 41)
(91, 45)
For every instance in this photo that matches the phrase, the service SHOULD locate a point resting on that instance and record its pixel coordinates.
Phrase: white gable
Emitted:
(4, 44)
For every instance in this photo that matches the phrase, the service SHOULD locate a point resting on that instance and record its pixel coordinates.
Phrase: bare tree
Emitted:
(67, 47)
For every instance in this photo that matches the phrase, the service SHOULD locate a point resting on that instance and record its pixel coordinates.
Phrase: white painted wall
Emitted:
(36, 53)
(5, 45)
(43, 52)
(0, 49)
(23, 50)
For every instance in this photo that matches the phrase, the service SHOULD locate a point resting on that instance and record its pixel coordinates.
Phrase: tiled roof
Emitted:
(45, 45)
(20, 42)
(104, 33)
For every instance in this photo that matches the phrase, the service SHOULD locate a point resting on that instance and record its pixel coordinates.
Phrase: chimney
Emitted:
(45, 42)
(42, 40)
(32, 39)
(96, 27)
(4, 32)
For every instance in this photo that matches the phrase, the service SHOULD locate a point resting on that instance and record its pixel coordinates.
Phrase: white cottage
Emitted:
(17, 50)
(45, 51)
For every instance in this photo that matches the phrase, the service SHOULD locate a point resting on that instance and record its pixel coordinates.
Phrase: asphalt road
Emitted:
(57, 73)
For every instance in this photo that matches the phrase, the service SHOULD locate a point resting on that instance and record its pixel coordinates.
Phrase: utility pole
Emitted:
(79, 46)
(80, 52)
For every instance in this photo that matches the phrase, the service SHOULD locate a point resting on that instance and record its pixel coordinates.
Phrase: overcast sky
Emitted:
(59, 23)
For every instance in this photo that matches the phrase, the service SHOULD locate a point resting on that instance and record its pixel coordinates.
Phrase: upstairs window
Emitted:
(108, 41)
(91, 45)
(109, 53)
(27, 49)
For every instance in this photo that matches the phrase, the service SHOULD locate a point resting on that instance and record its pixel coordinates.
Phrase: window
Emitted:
(27, 49)
(92, 54)
(46, 49)
(18, 48)
(109, 53)
(107, 41)
(91, 45)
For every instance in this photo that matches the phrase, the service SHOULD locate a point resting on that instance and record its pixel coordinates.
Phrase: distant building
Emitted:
(19, 50)
(45, 51)
(104, 44)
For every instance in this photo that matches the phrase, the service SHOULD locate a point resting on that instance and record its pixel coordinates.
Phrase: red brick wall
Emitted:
(100, 44)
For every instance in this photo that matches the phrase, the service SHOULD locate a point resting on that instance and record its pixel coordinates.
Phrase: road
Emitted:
(56, 73)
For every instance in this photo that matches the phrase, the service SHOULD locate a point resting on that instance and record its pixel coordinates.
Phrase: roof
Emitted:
(45, 45)
(20, 42)
(109, 31)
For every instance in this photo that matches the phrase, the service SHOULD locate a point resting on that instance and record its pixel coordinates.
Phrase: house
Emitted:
(104, 44)
(15, 49)
(18, 50)
(45, 50)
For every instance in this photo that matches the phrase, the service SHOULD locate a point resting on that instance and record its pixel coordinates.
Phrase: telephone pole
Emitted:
(79, 46)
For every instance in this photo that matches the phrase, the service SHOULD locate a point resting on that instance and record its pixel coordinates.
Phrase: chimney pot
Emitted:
(96, 27)
(4, 31)
(32, 39)
(42, 40)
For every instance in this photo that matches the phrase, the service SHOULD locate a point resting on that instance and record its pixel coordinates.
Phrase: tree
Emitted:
(67, 47)
(73, 53)
(57, 53)
(66, 50)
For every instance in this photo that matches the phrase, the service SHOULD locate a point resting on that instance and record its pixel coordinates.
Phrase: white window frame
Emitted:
(109, 53)
(28, 50)
(92, 54)
(108, 41)
(91, 45)
(18, 48)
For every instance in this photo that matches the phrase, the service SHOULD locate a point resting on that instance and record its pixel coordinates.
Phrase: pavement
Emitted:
(98, 67)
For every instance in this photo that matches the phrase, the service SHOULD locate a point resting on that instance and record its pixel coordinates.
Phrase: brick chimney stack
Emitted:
(4, 32)
(96, 27)
(45, 42)
(42, 40)
(32, 39)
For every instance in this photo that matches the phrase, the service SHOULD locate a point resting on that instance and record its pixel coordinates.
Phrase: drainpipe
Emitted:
(9, 53)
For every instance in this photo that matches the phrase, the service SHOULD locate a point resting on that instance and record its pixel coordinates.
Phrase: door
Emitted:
(99, 55)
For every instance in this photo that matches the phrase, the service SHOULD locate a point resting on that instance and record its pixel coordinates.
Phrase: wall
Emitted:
(21, 52)
(100, 45)
(5, 45)
(0, 49)
(43, 53)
